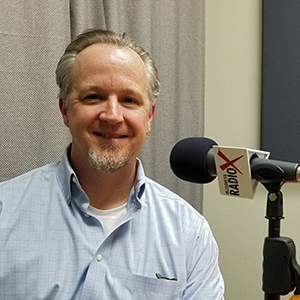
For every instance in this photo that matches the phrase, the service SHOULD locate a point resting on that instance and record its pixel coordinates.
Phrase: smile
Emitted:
(110, 135)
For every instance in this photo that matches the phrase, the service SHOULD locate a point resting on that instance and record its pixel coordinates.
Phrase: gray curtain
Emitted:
(33, 35)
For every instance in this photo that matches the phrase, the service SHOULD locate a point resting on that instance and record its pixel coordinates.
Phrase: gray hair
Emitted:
(64, 70)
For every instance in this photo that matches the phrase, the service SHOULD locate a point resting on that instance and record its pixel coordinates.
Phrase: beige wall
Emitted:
(232, 112)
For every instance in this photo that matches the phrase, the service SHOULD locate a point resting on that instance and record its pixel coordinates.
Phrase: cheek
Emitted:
(139, 121)
(79, 126)
(84, 116)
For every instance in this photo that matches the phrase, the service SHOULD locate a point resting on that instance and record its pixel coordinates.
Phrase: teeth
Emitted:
(110, 136)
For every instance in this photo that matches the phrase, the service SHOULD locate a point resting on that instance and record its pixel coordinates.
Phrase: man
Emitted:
(92, 226)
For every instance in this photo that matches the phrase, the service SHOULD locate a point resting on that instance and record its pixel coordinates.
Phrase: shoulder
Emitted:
(153, 188)
(22, 196)
(166, 201)
(173, 214)
(34, 177)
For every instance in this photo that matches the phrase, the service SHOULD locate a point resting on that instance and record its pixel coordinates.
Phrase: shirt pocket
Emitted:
(149, 288)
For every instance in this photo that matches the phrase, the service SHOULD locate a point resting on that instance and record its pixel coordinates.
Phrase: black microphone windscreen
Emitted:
(188, 159)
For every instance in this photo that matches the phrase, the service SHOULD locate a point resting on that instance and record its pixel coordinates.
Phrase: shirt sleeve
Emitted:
(204, 279)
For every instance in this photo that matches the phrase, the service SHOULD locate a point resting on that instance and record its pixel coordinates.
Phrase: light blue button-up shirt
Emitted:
(50, 248)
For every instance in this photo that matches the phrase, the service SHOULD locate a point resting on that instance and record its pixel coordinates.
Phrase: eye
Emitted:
(93, 98)
(129, 100)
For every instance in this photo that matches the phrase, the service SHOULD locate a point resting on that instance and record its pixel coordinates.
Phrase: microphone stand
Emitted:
(281, 272)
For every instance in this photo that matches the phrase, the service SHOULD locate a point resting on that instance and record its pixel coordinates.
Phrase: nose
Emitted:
(111, 111)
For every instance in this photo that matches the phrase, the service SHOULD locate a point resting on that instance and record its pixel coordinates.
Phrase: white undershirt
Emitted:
(109, 217)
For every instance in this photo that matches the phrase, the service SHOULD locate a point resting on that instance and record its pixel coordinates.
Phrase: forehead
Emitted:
(108, 55)
(115, 66)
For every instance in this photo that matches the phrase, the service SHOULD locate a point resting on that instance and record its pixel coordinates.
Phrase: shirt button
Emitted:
(99, 257)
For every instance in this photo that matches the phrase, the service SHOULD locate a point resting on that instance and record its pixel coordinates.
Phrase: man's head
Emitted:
(107, 99)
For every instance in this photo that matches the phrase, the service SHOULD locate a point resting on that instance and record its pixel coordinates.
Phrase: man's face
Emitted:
(109, 112)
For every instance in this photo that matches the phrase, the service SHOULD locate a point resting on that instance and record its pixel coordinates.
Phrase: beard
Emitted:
(107, 159)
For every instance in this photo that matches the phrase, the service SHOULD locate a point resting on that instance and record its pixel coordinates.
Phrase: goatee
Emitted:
(108, 159)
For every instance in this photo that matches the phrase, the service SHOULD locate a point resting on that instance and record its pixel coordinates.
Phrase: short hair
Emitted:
(64, 70)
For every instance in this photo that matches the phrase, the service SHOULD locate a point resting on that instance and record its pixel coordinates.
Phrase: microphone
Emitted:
(193, 159)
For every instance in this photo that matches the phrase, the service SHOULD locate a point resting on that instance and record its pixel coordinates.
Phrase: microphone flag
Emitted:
(234, 170)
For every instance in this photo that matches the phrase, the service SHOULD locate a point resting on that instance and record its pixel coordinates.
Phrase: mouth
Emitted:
(110, 136)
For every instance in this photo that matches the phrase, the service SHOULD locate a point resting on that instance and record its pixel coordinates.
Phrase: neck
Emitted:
(107, 190)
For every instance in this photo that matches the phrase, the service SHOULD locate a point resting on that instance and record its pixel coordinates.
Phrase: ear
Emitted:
(151, 116)
(152, 112)
(64, 111)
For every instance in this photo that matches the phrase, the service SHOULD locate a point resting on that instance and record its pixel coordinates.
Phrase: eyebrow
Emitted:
(89, 88)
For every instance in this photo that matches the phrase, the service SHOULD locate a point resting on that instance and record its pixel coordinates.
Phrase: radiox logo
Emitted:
(230, 174)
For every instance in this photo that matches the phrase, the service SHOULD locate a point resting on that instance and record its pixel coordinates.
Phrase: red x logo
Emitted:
(229, 162)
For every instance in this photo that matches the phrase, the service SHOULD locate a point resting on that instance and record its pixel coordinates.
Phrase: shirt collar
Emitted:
(67, 177)
(140, 180)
